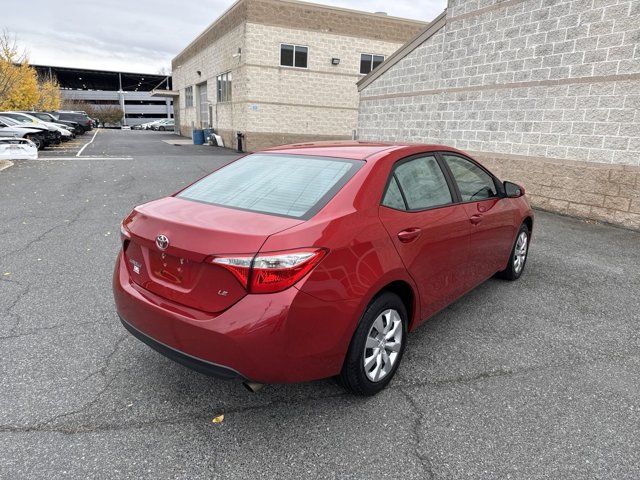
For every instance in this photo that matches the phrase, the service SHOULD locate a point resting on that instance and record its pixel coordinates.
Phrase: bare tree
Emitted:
(108, 114)
(105, 114)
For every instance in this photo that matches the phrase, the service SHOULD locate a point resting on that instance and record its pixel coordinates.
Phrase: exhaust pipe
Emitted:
(253, 387)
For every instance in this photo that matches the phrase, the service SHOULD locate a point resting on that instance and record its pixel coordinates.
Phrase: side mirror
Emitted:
(513, 190)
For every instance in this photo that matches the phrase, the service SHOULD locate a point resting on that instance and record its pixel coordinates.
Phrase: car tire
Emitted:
(162, 129)
(519, 255)
(37, 141)
(364, 360)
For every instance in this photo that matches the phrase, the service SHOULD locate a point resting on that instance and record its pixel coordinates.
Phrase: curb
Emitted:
(4, 164)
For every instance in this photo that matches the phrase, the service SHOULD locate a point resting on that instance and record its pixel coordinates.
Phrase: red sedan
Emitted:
(316, 260)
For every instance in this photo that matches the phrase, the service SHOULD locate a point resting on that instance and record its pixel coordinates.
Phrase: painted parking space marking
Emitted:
(88, 143)
(76, 158)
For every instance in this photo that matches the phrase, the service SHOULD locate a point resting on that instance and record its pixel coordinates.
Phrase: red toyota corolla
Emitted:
(312, 261)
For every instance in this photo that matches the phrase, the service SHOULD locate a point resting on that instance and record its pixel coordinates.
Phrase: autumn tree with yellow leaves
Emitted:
(20, 87)
(49, 94)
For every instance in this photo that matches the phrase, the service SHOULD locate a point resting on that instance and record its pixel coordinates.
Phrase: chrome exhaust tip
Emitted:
(253, 387)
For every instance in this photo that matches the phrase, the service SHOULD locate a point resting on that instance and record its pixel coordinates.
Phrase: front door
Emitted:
(491, 217)
(430, 233)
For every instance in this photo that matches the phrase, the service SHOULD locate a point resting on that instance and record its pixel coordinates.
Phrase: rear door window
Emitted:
(420, 183)
(295, 186)
(393, 198)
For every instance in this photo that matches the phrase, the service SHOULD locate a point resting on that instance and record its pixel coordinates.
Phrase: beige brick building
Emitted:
(282, 71)
(547, 93)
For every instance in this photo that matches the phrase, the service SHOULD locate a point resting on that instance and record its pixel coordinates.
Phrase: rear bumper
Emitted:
(197, 364)
(283, 337)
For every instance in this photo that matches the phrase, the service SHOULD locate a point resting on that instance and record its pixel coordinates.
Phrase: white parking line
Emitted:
(88, 143)
(48, 159)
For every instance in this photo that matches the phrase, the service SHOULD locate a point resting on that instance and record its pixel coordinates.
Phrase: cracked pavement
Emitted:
(538, 378)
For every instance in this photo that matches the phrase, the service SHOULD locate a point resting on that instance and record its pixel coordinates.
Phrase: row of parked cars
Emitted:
(164, 125)
(44, 128)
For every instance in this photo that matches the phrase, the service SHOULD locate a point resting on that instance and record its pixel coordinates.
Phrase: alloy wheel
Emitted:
(520, 253)
(383, 345)
(36, 141)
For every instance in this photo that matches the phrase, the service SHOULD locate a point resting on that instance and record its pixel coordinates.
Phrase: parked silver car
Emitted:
(164, 125)
(10, 128)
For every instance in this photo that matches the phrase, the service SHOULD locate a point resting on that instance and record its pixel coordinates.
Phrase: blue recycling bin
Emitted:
(198, 137)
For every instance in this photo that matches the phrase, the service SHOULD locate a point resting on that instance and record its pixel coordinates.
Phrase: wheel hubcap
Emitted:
(383, 344)
(520, 254)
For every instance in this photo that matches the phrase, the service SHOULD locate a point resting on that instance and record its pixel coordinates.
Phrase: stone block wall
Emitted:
(534, 83)
(212, 60)
(603, 192)
(273, 104)
(297, 104)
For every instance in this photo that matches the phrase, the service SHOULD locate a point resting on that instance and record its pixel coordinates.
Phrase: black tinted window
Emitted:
(288, 185)
(423, 183)
(369, 62)
(72, 116)
(286, 55)
(473, 182)
(293, 56)
(301, 57)
(365, 64)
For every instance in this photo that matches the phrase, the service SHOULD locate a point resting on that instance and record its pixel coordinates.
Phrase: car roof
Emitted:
(353, 149)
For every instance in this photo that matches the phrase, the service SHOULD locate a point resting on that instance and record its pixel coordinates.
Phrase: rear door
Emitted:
(491, 217)
(429, 231)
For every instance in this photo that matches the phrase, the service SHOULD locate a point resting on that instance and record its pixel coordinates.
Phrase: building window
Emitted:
(223, 87)
(369, 62)
(293, 56)
(188, 97)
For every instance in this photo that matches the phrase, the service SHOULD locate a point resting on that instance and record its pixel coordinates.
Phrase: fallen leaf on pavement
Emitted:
(218, 419)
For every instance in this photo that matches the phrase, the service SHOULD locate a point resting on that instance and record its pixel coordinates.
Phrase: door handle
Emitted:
(475, 219)
(409, 235)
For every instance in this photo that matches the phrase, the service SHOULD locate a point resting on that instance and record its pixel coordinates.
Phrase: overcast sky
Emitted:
(139, 36)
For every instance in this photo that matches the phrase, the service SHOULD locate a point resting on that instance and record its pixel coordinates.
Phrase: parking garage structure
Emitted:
(131, 91)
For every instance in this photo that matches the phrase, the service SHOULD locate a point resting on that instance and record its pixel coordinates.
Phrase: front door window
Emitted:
(473, 182)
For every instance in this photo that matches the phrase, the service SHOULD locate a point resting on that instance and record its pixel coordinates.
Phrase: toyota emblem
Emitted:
(162, 242)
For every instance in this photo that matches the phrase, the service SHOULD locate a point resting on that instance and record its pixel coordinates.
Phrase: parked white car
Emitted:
(17, 149)
(149, 125)
(66, 133)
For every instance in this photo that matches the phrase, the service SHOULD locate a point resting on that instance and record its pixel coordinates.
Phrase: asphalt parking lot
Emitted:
(534, 379)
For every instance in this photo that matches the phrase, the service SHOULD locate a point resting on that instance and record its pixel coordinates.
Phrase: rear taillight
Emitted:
(271, 272)
(124, 233)
(239, 266)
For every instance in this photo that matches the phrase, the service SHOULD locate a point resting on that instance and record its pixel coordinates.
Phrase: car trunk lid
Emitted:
(194, 232)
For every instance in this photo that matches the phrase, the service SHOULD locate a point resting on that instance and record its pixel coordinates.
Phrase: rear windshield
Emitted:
(296, 186)
(71, 116)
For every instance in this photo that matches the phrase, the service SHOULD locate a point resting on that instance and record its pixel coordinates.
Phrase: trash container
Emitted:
(198, 137)
(208, 133)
